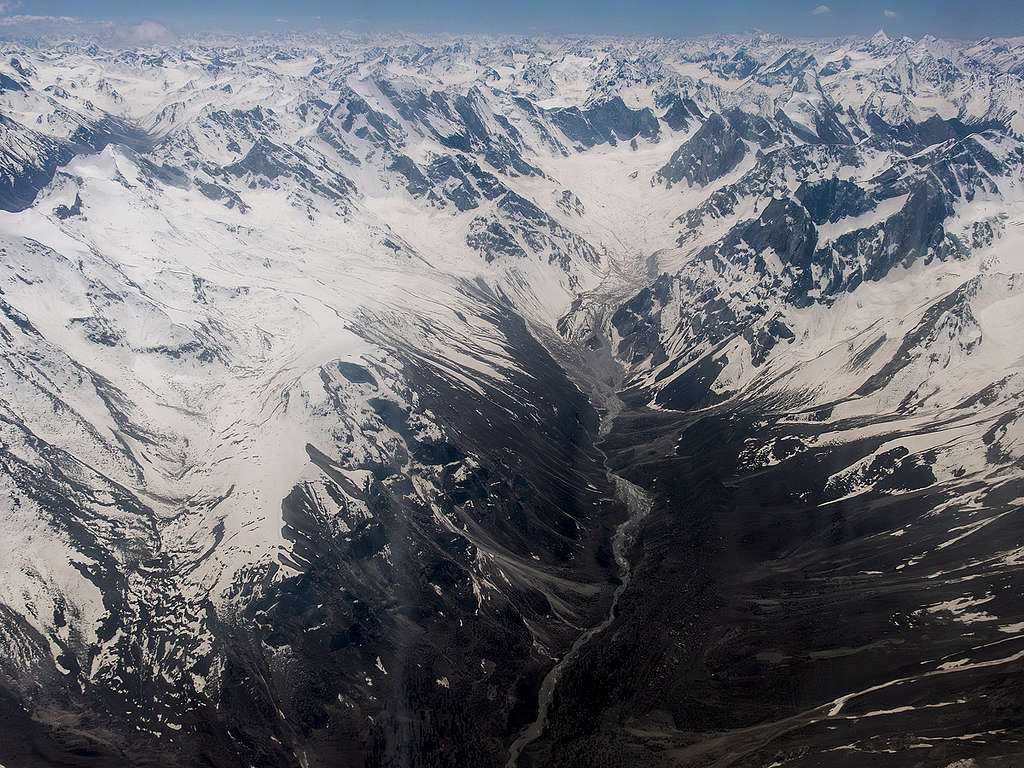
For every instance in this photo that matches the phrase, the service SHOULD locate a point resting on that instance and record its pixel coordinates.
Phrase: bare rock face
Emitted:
(714, 150)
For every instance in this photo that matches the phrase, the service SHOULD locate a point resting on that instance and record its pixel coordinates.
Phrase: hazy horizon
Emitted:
(792, 19)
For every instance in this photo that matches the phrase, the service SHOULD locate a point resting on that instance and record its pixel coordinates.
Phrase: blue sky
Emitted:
(947, 18)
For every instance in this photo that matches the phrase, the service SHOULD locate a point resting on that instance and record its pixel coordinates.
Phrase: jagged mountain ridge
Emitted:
(303, 384)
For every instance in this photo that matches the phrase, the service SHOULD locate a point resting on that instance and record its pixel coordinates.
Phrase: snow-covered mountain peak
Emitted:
(320, 357)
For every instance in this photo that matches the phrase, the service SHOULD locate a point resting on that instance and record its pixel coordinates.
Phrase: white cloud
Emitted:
(144, 34)
(889, 14)
(25, 19)
(820, 10)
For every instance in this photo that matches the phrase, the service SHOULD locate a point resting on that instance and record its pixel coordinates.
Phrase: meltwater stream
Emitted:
(638, 504)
